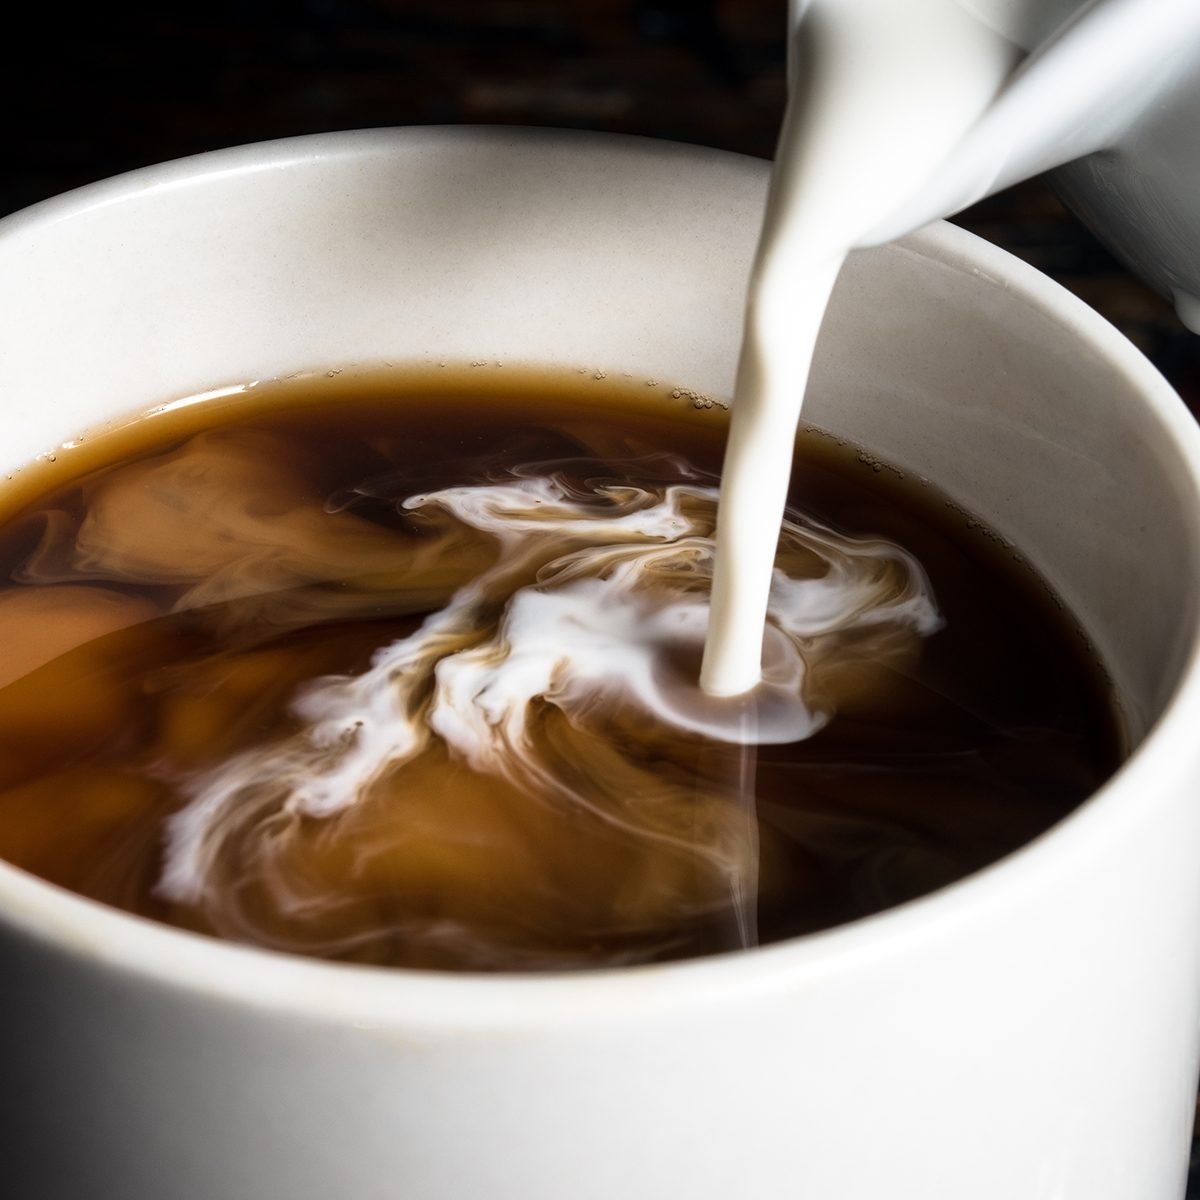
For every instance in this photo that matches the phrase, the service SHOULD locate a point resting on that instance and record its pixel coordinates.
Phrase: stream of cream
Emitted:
(880, 92)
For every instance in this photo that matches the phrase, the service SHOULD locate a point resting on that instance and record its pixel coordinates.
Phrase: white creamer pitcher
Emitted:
(1107, 92)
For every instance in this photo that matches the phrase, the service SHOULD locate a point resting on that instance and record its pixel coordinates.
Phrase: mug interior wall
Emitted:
(1013, 404)
(427, 245)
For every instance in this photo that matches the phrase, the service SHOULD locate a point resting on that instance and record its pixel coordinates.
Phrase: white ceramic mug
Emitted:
(1027, 1034)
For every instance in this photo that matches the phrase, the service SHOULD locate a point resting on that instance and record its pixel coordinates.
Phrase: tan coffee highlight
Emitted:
(401, 668)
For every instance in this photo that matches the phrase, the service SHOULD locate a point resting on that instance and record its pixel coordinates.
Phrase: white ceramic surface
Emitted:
(1094, 71)
(1028, 1034)
(1111, 88)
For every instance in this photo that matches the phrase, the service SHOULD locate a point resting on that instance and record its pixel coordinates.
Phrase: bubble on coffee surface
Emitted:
(437, 706)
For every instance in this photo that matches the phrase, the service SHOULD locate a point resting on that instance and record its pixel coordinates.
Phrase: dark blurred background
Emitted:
(86, 93)
(93, 91)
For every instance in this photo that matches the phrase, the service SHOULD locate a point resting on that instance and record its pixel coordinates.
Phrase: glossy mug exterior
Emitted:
(1027, 1034)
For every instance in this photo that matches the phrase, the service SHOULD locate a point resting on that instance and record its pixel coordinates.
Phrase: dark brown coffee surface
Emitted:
(184, 598)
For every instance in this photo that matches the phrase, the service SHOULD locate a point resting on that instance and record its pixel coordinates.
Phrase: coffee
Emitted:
(400, 668)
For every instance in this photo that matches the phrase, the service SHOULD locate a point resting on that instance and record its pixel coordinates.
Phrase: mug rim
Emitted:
(386, 996)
